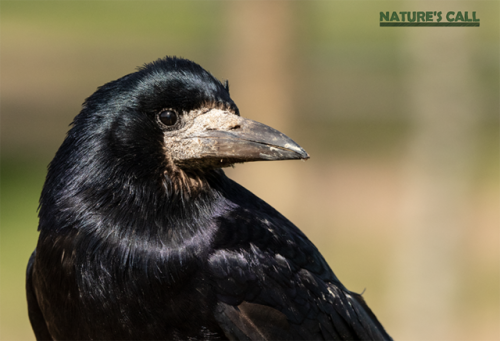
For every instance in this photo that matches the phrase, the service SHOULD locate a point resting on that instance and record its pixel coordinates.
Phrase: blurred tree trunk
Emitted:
(258, 55)
(440, 81)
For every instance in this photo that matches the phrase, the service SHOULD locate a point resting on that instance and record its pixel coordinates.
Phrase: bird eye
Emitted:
(168, 117)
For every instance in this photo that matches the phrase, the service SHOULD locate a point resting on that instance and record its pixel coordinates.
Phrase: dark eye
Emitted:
(168, 117)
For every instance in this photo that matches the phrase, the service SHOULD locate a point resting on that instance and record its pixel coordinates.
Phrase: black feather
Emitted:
(134, 247)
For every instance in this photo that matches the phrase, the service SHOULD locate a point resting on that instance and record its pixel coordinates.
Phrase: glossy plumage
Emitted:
(143, 237)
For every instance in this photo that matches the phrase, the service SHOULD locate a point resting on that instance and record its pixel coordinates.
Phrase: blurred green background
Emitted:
(401, 193)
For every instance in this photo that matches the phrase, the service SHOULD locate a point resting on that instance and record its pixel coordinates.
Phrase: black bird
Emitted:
(143, 237)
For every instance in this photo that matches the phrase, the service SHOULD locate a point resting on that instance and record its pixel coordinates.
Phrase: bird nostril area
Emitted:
(235, 127)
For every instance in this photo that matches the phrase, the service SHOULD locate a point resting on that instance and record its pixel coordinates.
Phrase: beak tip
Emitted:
(297, 149)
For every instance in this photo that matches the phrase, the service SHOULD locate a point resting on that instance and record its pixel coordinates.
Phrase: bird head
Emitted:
(169, 120)
(200, 124)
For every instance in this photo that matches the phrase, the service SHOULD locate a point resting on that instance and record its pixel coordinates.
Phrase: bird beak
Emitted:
(227, 138)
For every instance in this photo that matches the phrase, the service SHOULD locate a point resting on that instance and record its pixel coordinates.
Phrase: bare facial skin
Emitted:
(188, 144)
